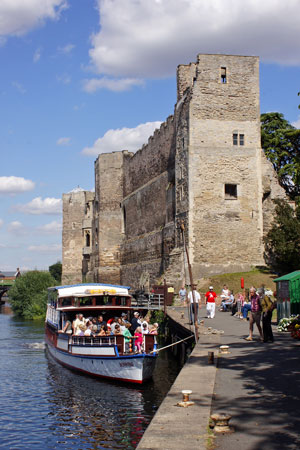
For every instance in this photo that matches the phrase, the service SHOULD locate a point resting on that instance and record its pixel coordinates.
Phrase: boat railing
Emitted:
(94, 340)
(149, 342)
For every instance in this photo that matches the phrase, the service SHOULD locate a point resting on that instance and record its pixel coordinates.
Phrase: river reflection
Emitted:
(44, 405)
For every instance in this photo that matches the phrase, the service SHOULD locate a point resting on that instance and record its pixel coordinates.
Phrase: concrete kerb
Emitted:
(175, 427)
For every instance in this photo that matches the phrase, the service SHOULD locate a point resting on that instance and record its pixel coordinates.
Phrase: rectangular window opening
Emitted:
(235, 139)
(223, 75)
(230, 191)
(242, 139)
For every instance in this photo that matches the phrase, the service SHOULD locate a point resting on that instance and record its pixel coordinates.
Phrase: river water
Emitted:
(45, 406)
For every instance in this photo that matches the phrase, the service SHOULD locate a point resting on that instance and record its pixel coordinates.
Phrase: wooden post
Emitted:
(192, 284)
(165, 297)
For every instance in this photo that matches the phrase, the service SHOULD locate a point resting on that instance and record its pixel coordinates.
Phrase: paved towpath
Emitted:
(257, 383)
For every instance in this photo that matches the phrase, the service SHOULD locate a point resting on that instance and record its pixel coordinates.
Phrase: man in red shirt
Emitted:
(210, 298)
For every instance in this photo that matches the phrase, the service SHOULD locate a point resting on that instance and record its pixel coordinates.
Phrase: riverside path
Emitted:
(258, 384)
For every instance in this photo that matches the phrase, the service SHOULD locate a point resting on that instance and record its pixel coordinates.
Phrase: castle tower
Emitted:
(218, 166)
(108, 219)
(76, 236)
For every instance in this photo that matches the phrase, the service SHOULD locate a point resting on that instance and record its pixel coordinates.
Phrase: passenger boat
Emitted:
(106, 356)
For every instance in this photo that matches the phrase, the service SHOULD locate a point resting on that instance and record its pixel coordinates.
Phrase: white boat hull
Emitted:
(132, 368)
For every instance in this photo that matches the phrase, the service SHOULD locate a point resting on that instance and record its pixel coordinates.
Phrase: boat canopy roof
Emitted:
(89, 289)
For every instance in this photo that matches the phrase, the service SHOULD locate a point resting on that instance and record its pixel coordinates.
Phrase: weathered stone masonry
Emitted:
(203, 167)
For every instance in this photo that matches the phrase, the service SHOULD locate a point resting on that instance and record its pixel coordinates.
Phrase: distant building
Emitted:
(204, 167)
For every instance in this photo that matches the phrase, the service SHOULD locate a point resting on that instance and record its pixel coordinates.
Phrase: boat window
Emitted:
(86, 301)
(76, 301)
(103, 300)
(66, 301)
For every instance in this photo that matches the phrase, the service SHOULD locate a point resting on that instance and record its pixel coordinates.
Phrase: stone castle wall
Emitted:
(148, 207)
(192, 171)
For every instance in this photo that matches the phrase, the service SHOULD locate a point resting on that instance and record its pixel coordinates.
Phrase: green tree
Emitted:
(281, 144)
(56, 271)
(28, 296)
(282, 243)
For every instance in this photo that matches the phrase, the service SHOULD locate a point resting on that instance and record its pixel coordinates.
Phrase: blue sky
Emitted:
(80, 77)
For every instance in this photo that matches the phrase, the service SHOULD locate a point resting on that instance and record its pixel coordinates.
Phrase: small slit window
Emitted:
(223, 75)
(181, 193)
(230, 191)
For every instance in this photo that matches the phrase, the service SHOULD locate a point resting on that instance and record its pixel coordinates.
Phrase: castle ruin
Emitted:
(204, 167)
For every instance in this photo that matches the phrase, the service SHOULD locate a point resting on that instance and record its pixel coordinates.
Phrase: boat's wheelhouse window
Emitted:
(66, 301)
(103, 300)
(76, 302)
(86, 301)
(121, 301)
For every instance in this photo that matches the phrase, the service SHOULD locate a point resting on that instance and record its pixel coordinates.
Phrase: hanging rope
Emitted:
(174, 343)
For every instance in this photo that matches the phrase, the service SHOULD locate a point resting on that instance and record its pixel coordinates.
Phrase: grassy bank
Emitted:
(256, 277)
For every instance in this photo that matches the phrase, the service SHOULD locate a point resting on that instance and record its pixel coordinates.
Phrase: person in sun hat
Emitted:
(210, 300)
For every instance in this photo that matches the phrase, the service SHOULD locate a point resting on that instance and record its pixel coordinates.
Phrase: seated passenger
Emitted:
(225, 293)
(100, 322)
(145, 329)
(80, 330)
(117, 329)
(227, 303)
(154, 329)
(103, 331)
(139, 339)
(67, 328)
(89, 330)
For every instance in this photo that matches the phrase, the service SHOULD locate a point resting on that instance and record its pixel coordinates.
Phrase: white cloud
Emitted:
(53, 227)
(116, 85)
(1, 223)
(19, 87)
(148, 38)
(39, 206)
(16, 228)
(53, 248)
(122, 139)
(63, 141)
(19, 16)
(297, 123)
(37, 55)
(15, 185)
(66, 49)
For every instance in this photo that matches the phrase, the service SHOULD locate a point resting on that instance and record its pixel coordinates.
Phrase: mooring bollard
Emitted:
(186, 395)
(221, 422)
(211, 357)
(224, 349)
(186, 398)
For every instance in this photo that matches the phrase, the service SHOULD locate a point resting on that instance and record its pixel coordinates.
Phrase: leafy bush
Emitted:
(282, 243)
(28, 296)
